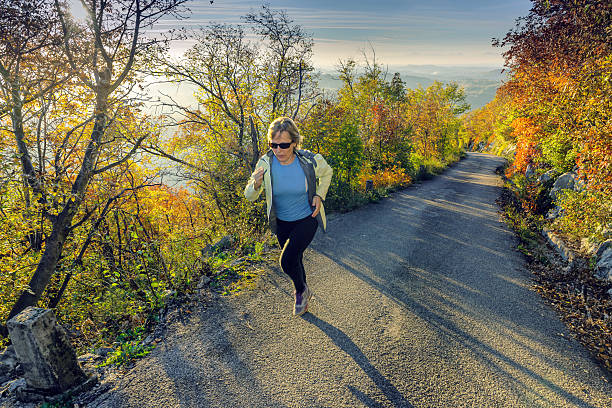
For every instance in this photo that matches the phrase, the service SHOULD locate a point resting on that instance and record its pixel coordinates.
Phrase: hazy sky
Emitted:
(441, 32)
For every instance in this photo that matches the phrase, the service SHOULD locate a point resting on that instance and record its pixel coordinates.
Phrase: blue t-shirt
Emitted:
(289, 191)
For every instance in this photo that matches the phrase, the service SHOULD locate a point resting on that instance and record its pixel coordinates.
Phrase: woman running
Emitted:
(296, 182)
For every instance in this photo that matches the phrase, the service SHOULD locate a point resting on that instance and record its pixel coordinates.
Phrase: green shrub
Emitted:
(129, 348)
(585, 213)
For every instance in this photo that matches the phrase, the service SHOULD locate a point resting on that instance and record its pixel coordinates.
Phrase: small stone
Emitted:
(8, 359)
(607, 244)
(603, 270)
(15, 385)
(224, 243)
(204, 281)
(546, 177)
(529, 172)
(169, 293)
(103, 351)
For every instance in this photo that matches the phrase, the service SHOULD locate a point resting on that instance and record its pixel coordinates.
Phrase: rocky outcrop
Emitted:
(557, 243)
(566, 181)
(603, 268)
(42, 347)
(546, 177)
(223, 244)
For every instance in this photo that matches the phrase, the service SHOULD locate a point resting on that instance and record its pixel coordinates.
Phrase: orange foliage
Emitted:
(526, 133)
(391, 177)
(386, 131)
(595, 158)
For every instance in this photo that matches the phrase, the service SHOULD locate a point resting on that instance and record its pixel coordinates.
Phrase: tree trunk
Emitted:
(44, 270)
(254, 143)
(61, 223)
(22, 148)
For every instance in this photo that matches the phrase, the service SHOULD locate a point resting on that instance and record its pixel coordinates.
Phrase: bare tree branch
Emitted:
(125, 158)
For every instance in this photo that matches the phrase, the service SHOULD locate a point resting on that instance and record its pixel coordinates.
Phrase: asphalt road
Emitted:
(420, 301)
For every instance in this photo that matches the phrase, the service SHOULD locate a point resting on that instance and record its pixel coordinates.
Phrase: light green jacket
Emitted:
(318, 177)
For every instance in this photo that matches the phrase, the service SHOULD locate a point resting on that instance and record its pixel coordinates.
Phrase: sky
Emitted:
(436, 32)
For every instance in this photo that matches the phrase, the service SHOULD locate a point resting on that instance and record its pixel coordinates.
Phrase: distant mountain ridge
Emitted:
(480, 83)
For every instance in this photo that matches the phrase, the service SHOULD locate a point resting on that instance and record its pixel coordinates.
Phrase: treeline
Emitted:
(90, 222)
(556, 109)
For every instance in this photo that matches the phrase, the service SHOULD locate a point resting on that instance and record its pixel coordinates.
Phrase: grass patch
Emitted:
(129, 348)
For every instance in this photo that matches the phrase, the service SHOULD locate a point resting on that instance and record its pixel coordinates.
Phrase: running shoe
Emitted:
(301, 302)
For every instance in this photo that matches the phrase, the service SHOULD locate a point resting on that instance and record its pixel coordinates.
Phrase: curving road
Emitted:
(420, 301)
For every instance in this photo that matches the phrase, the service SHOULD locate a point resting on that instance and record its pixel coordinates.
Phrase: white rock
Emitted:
(566, 181)
(44, 350)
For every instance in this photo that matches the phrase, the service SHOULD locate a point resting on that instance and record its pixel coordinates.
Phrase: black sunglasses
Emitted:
(281, 145)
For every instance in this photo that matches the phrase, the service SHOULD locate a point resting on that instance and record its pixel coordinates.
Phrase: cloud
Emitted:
(441, 30)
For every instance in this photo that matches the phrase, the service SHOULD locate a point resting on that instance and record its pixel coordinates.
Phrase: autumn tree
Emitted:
(30, 36)
(397, 88)
(559, 61)
(557, 56)
(432, 114)
(490, 125)
(240, 86)
(331, 131)
(363, 96)
(100, 55)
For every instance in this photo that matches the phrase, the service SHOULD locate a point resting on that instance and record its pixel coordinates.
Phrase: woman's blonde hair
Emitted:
(284, 123)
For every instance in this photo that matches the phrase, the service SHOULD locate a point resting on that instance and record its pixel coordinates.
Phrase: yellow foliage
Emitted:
(391, 177)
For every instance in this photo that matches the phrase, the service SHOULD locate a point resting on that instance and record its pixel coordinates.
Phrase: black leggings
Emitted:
(294, 237)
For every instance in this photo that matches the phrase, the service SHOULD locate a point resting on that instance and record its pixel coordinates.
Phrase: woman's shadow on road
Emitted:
(345, 343)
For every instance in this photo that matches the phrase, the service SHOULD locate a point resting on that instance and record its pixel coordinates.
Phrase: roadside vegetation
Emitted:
(109, 212)
(553, 115)
(552, 119)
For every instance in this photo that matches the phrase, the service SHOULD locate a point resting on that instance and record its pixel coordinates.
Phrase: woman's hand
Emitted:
(316, 203)
(258, 177)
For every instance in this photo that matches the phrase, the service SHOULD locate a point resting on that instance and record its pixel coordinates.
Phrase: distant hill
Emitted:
(480, 83)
